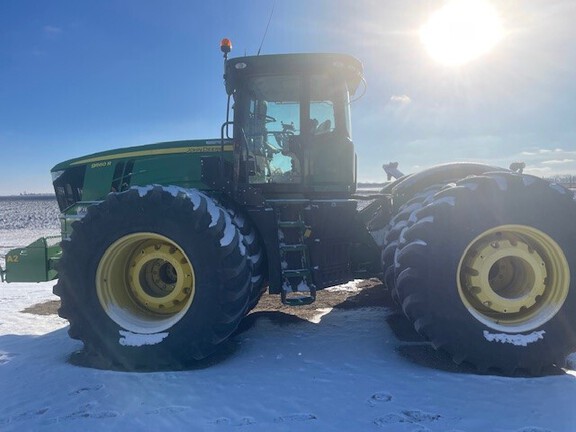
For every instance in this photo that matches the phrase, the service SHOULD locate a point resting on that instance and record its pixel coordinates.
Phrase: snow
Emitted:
(240, 222)
(229, 233)
(250, 237)
(514, 339)
(214, 212)
(303, 286)
(128, 338)
(143, 190)
(344, 370)
(349, 287)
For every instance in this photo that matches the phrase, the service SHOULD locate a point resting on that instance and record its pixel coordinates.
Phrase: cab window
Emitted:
(282, 114)
(273, 119)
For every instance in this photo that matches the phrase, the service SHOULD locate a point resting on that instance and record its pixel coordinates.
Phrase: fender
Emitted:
(404, 188)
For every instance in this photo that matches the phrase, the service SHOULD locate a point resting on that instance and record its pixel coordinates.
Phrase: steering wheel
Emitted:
(281, 137)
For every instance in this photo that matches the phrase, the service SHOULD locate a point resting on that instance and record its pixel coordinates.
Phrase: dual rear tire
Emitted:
(483, 272)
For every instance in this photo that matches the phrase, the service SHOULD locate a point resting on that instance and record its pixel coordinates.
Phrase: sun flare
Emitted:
(461, 31)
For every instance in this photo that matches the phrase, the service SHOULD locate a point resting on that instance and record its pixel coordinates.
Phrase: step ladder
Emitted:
(297, 285)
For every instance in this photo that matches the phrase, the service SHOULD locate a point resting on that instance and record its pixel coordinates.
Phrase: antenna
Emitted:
(267, 25)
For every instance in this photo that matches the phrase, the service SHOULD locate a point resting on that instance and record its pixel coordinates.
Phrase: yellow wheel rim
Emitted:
(145, 282)
(513, 278)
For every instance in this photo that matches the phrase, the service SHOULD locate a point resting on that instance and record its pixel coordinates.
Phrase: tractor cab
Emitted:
(291, 122)
(293, 164)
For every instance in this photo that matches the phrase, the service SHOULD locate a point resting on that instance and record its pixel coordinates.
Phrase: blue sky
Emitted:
(78, 77)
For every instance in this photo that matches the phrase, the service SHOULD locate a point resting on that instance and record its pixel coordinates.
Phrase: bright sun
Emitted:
(461, 31)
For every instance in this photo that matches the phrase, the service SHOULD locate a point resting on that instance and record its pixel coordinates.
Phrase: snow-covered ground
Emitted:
(344, 373)
(347, 371)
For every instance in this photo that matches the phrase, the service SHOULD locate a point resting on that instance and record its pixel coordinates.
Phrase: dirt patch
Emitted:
(47, 308)
(371, 293)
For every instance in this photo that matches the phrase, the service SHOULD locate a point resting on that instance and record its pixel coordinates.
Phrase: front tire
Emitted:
(154, 277)
(484, 272)
(255, 254)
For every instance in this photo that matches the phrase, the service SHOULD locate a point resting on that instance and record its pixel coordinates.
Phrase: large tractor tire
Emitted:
(255, 255)
(484, 272)
(400, 221)
(154, 277)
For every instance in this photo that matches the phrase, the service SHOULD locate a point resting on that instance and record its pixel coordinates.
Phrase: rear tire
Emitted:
(154, 277)
(401, 220)
(484, 272)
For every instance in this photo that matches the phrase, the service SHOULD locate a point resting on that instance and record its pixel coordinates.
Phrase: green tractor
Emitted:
(166, 247)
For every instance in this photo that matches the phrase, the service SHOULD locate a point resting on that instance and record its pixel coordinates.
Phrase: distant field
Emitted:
(28, 213)
(31, 197)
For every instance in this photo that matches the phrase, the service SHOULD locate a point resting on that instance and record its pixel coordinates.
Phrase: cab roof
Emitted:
(238, 69)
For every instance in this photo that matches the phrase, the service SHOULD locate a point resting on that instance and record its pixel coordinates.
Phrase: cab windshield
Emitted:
(281, 114)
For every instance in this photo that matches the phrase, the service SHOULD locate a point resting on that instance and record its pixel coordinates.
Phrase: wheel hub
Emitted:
(159, 277)
(504, 274)
(513, 277)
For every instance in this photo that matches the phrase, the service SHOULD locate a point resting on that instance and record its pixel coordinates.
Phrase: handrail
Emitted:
(224, 126)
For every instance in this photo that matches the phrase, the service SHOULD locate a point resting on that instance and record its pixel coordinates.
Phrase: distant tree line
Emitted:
(29, 197)
(568, 181)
